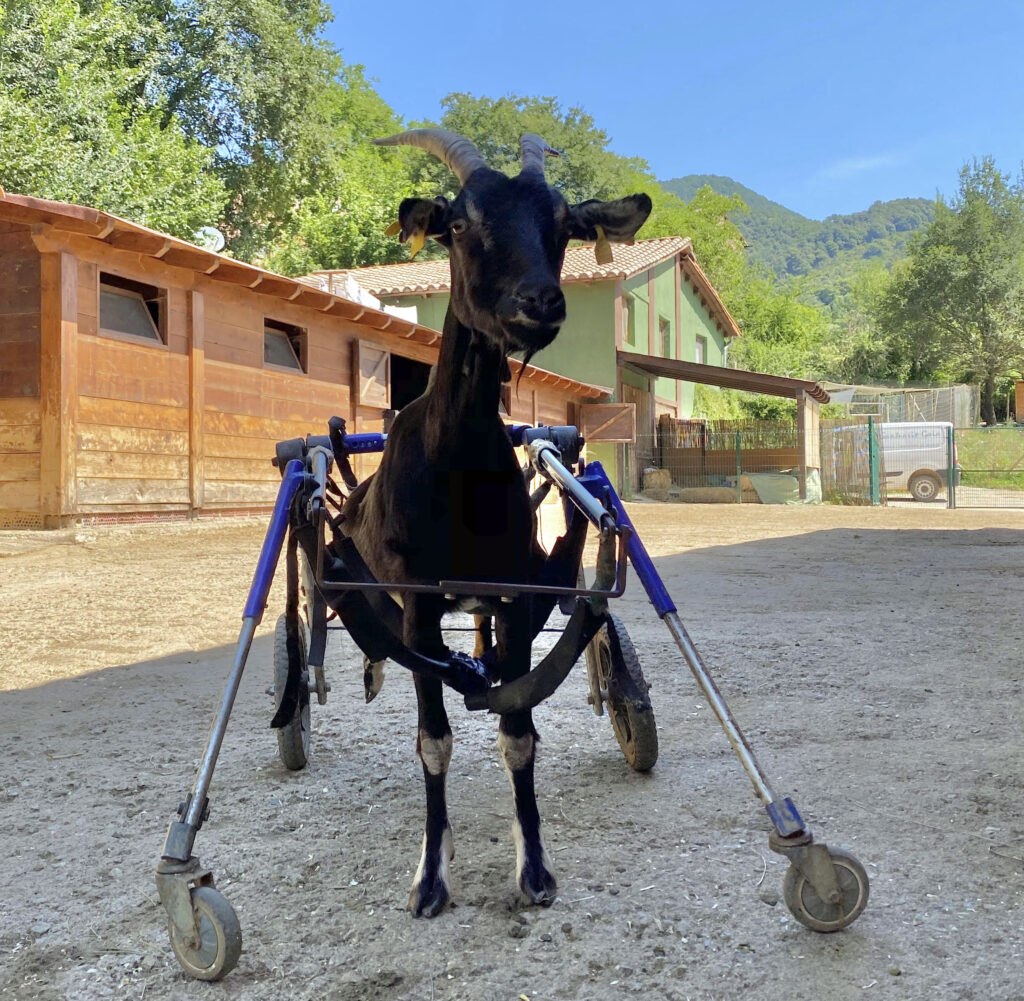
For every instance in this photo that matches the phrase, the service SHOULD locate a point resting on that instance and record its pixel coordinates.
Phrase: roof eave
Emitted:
(121, 234)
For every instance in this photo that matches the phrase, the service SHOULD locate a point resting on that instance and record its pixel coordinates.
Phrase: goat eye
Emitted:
(459, 227)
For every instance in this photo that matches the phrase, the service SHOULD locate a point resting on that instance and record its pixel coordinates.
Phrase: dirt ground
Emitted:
(874, 658)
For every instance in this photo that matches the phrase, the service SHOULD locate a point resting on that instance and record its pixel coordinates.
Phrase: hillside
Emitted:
(827, 252)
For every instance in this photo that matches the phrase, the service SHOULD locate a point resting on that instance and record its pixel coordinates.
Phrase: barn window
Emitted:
(701, 351)
(409, 380)
(130, 307)
(284, 345)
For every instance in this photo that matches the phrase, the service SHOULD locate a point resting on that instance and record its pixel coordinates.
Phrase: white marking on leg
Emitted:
(435, 752)
(516, 752)
(520, 845)
(419, 869)
(443, 871)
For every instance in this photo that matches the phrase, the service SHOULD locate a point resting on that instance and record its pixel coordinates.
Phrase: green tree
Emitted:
(73, 126)
(174, 112)
(781, 334)
(343, 224)
(958, 304)
(252, 81)
(587, 168)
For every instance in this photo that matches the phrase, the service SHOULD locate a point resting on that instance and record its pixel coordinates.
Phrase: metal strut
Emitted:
(181, 834)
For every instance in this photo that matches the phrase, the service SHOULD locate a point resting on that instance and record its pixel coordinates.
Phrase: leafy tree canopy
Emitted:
(957, 304)
(175, 112)
(75, 128)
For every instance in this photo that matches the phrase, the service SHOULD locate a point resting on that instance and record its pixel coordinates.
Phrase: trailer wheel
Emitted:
(613, 664)
(293, 737)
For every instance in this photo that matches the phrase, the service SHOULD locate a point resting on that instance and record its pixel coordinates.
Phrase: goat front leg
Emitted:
(431, 888)
(517, 742)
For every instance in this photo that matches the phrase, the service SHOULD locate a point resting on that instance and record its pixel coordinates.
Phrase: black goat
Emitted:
(449, 501)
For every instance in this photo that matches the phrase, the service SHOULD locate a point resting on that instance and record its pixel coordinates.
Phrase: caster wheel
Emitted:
(220, 937)
(293, 737)
(613, 663)
(817, 914)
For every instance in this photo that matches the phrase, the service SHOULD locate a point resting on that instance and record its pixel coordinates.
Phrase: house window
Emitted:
(284, 345)
(701, 351)
(132, 308)
(665, 332)
(630, 319)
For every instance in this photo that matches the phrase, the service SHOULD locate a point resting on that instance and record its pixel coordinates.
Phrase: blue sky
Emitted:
(824, 107)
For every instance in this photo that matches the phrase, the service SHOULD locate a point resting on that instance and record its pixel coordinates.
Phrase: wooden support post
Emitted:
(58, 386)
(808, 437)
(196, 401)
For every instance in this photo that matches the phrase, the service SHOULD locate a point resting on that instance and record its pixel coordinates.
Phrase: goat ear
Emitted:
(419, 218)
(617, 221)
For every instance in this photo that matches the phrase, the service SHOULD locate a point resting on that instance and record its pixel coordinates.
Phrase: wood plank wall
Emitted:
(174, 429)
(19, 378)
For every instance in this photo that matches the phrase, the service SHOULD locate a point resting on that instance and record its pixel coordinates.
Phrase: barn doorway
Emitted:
(408, 380)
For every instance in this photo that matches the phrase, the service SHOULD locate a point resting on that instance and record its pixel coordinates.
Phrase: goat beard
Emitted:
(527, 355)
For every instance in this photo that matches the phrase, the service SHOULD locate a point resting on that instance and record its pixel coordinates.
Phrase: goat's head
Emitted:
(506, 237)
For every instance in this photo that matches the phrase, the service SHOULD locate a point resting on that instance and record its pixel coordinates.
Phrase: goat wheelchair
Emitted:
(824, 888)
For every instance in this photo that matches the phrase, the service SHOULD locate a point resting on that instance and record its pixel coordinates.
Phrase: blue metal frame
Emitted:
(596, 482)
(294, 476)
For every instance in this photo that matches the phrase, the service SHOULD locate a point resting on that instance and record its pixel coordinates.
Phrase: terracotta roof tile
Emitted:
(580, 265)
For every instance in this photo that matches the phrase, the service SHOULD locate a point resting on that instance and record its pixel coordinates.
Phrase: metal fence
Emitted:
(991, 467)
(852, 463)
(862, 461)
(709, 461)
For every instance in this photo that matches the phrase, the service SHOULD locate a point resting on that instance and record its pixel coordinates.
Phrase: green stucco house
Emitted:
(652, 301)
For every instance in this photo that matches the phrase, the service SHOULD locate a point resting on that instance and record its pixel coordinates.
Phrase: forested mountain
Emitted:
(828, 252)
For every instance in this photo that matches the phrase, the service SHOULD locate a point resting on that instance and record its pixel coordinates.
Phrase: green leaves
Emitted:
(76, 126)
(957, 307)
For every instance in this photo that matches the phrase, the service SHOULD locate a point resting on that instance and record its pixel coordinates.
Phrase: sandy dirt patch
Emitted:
(873, 656)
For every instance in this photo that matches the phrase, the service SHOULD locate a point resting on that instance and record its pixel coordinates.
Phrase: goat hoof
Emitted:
(373, 678)
(427, 900)
(538, 886)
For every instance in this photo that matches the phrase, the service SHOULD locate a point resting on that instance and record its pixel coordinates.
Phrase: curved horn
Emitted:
(532, 150)
(461, 156)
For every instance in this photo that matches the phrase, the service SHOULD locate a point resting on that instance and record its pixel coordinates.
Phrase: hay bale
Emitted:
(706, 495)
(657, 483)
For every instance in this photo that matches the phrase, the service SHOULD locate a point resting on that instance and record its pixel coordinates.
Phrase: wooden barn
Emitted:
(142, 377)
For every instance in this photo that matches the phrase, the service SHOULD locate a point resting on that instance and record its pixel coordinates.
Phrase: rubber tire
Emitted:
(634, 728)
(924, 487)
(220, 937)
(818, 915)
(293, 737)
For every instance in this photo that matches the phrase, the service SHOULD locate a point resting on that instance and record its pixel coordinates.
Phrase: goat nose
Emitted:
(545, 300)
